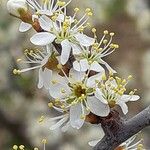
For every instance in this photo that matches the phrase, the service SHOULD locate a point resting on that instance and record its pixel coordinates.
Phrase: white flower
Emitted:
(16, 7)
(66, 32)
(91, 57)
(111, 93)
(130, 144)
(39, 59)
(76, 94)
(48, 8)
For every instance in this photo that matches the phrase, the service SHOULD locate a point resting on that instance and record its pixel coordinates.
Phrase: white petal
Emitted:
(99, 95)
(124, 107)
(76, 76)
(82, 65)
(24, 27)
(84, 39)
(40, 83)
(47, 74)
(42, 38)
(91, 80)
(75, 114)
(93, 143)
(76, 65)
(97, 107)
(58, 124)
(45, 23)
(95, 66)
(55, 90)
(66, 48)
(126, 98)
(76, 49)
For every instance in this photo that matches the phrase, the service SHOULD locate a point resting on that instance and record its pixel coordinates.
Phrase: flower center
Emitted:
(111, 103)
(79, 90)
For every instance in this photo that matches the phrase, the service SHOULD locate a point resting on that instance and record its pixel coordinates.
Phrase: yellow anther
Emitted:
(21, 147)
(76, 9)
(44, 141)
(90, 14)
(88, 10)
(131, 93)
(111, 78)
(54, 17)
(88, 24)
(41, 119)
(112, 34)
(105, 32)
(116, 46)
(100, 49)
(140, 147)
(120, 92)
(59, 66)
(15, 147)
(81, 29)
(130, 77)
(93, 30)
(18, 60)
(135, 90)
(124, 81)
(50, 105)
(61, 3)
(57, 100)
(36, 148)
(15, 71)
(90, 62)
(105, 41)
(112, 45)
(26, 51)
(118, 80)
(63, 107)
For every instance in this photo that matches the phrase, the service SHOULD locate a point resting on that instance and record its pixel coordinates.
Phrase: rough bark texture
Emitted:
(118, 131)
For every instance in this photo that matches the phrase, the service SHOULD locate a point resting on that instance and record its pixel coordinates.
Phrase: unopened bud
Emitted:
(17, 7)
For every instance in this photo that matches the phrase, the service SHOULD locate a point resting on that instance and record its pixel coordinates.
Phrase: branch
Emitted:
(118, 131)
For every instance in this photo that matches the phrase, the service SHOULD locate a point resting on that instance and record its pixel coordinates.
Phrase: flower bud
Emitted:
(17, 7)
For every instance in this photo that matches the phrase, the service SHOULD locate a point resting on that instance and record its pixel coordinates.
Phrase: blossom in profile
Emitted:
(41, 60)
(17, 7)
(92, 57)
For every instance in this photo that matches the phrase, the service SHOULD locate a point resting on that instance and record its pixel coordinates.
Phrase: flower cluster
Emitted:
(70, 63)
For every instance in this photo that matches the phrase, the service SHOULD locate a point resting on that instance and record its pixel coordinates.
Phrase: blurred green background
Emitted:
(22, 103)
